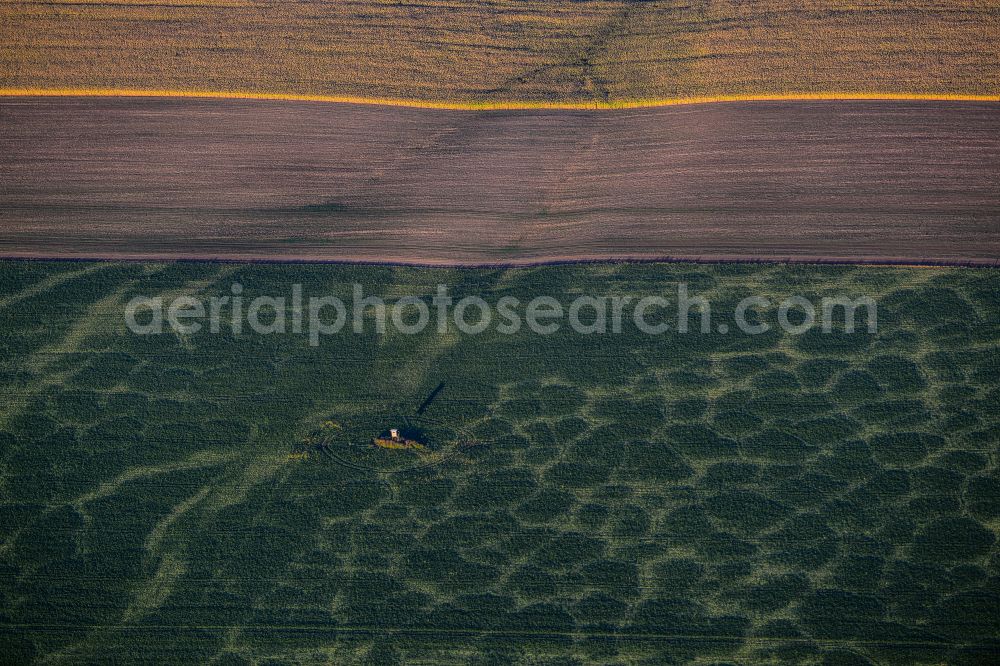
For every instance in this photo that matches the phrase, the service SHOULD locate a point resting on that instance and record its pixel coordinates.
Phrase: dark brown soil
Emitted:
(904, 182)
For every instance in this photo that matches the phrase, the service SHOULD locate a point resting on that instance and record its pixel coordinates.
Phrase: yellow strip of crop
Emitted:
(493, 106)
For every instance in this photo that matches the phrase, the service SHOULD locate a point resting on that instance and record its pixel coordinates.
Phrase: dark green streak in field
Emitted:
(803, 499)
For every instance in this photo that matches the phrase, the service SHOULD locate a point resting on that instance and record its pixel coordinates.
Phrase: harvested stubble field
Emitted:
(500, 50)
(802, 499)
(240, 179)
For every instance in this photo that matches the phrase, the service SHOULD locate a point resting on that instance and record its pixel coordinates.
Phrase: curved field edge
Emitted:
(512, 105)
(263, 260)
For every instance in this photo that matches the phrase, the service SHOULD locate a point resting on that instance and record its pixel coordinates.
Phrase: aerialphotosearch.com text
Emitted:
(318, 317)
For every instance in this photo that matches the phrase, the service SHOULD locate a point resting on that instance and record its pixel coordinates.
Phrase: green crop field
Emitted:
(622, 498)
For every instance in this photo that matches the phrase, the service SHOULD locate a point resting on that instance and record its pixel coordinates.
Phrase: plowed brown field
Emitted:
(239, 179)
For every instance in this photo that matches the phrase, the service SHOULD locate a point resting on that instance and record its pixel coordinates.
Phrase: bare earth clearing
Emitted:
(237, 179)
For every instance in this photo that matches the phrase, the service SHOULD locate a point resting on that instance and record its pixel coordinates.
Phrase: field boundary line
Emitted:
(512, 105)
(625, 635)
(776, 260)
